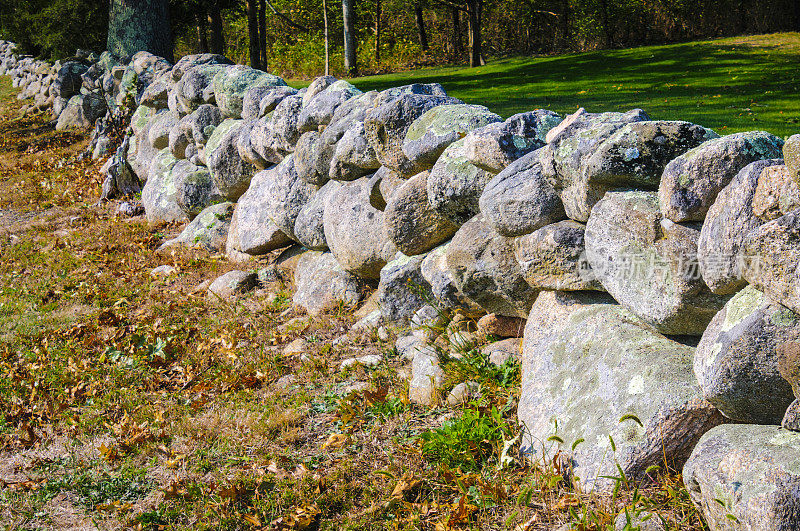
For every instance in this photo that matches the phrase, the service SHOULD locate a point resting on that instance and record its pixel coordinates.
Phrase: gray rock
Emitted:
(208, 230)
(251, 103)
(265, 142)
(233, 283)
(586, 365)
(322, 284)
(196, 86)
(272, 98)
(382, 186)
(691, 182)
(140, 152)
(748, 472)
(462, 393)
(355, 231)
(201, 124)
(309, 227)
(501, 352)
(426, 376)
(159, 195)
(316, 86)
(777, 193)
(245, 147)
(439, 127)
(232, 83)
(160, 128)
(179, 140)
(189, 62)
(413, 226)
(256, 231)
(638, 520)
(520, 200)
(284, 123)
(569, 147)
(387, 124)
(318, 110)
(554, 258)
(230, 173)
(283, 195)
(81, 111)
(455, 185)
(649, 264)
(402, 289)
(305, 158)
(485, 270)
(791, 419)
(443, 282)
(736, 363)
(353, 156)
(727, 223)
(194, 188)
(495, 146)
(771, 259)
(791, 154)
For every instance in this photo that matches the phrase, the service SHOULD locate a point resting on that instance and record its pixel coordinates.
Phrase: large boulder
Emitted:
(261, 100)
(570, 145)
(402, 289)
(554, 258)
(520, 200)
(231, 83)
(485, 270)
(736, 362)
(691, 182)
(284, 124)
(256, 232)
(353, 156)
(159, 195)
(746, 477)
(777, 193)
(455, 185)
(208, 230)
(442, 282)
(201, 124)
(194, 188)
(439, 127)
(607, 390)
(159, 130)
(727, 223)
(309, 227)
(278, 194)
(413, 226)
(321, 284)
(231, 174)
(355, 230)
(387, 124)
(81, 111)
(495, 146)
(649, 264)
(771, 258)
(196, 87)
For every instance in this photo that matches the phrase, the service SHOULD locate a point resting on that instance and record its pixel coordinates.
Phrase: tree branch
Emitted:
(289, 21)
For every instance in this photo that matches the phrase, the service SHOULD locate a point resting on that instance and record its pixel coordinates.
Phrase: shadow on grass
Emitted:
(727, 86)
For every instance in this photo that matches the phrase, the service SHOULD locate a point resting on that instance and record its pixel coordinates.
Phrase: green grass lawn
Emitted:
(731, 85)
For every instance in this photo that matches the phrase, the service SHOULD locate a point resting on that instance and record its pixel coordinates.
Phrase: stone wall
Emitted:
(653, 265)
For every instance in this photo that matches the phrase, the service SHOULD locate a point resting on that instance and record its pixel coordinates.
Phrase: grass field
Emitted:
(731, 85)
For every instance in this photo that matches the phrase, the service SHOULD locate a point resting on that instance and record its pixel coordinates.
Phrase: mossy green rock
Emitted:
(208, 230)
(232, 82)
(649, 264)
(455, 184)
(231, 174)
(195, 188)
(159, 195)
(691, 182)
(736, 363)
(746, 477)
(432, 132)
(590, 369)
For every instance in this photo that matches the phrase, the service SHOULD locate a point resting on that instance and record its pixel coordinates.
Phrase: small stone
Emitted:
(501, 325)
(426, 377)
(298, 346)
(639, 520)
(370, 360)
(233, 283)
(405, 346)
(500, 352)
(163, 271)
(383, 334)
(285, 381)
(463, 393)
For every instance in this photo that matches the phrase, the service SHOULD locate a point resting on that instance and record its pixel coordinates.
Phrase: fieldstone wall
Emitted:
(652, 265)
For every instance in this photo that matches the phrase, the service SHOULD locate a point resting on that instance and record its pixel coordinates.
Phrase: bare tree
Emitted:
(252, 30)
(420, 19)
(378, 31)
(474, 11)
(327, 42)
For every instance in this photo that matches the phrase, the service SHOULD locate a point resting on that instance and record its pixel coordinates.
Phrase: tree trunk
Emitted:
(202, 29)
(252, 31)
(457, 48)
(606, 26)
(136, 25)
(217, 37)
(262, 33)
(423, 35)
(565, 23)
(377, 31)
(474, 26)
(349, 19)
(327, 41)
